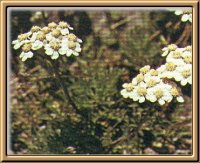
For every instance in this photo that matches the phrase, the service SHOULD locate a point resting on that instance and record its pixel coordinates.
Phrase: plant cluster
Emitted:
(54, 39)
(72, 105)
(149, 84)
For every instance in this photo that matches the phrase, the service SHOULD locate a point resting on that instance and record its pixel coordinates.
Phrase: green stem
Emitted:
(65, 90)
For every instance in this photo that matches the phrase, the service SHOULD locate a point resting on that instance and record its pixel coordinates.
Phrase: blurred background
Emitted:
(116, 44)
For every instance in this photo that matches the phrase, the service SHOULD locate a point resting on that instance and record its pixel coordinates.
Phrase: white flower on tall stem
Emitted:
(21, 39)
(168, 70)
(168, 49)
(152, 81)
(145, 69)
(139, 93)
(176, 56)
(128, 90)
(139, 78)
(26, 52)
(39, 41)
(152, 74)
(184, 75)
(160, 93)
(187, 57)
(174, 91)
(52, 25)
(53, 35)
(71, 45)
(64, 28)
(52, 49)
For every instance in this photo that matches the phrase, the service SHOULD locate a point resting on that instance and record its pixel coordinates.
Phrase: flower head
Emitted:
(26, 52)
(54, 39)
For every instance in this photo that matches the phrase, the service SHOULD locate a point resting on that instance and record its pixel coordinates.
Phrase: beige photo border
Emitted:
(4, 157)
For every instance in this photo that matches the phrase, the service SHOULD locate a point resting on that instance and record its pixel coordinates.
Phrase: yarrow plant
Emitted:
(150, 84)
(54, 39)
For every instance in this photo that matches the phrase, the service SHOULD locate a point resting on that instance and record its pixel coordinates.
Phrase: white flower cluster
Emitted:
(150, 84)
(178, 64)
(186, 15)
(54, 39)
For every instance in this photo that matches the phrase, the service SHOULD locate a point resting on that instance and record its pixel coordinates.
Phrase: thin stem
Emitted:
(65, 90)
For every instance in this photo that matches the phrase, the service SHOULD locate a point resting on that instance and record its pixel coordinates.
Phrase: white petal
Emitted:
(180, 99)
(79, 40)
(29, 54)
(62, 51)
(49, 51)
(21, 55)
(18, 45)
(164, 49)
(64, 31)
(190, 80)
(178, 12)
(152, 98)
(134, 81)
(78, 49)
(70, 28)
(134, 96)
(49, 37)
(141, 99)
(75, 53)
(183, 82)
(24, 58)
(55, 55)
(69, 52)
(185, 17)
(15, 41)
(178, 77)
(161, 101)
(165, 53)
(124, 93)
(37, 45)
(33, 38)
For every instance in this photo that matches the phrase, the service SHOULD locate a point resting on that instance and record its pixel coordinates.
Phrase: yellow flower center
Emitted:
(144, 69)
(56, 33)
(72, 37)
(187, 59)
(172, 47)
(26, 47)
(35, 29)
(129, 87)
(140, 78)
(154, 72)
(63, 25)
(170, 66)
(45, 30)
(41, 36)
(175, 92)
(52, 25)
(186, 73)
(151, 83)
(22, 37)
(177, 54)
(158, 93)
(55, 45)
(141, 91)
(71, 45)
